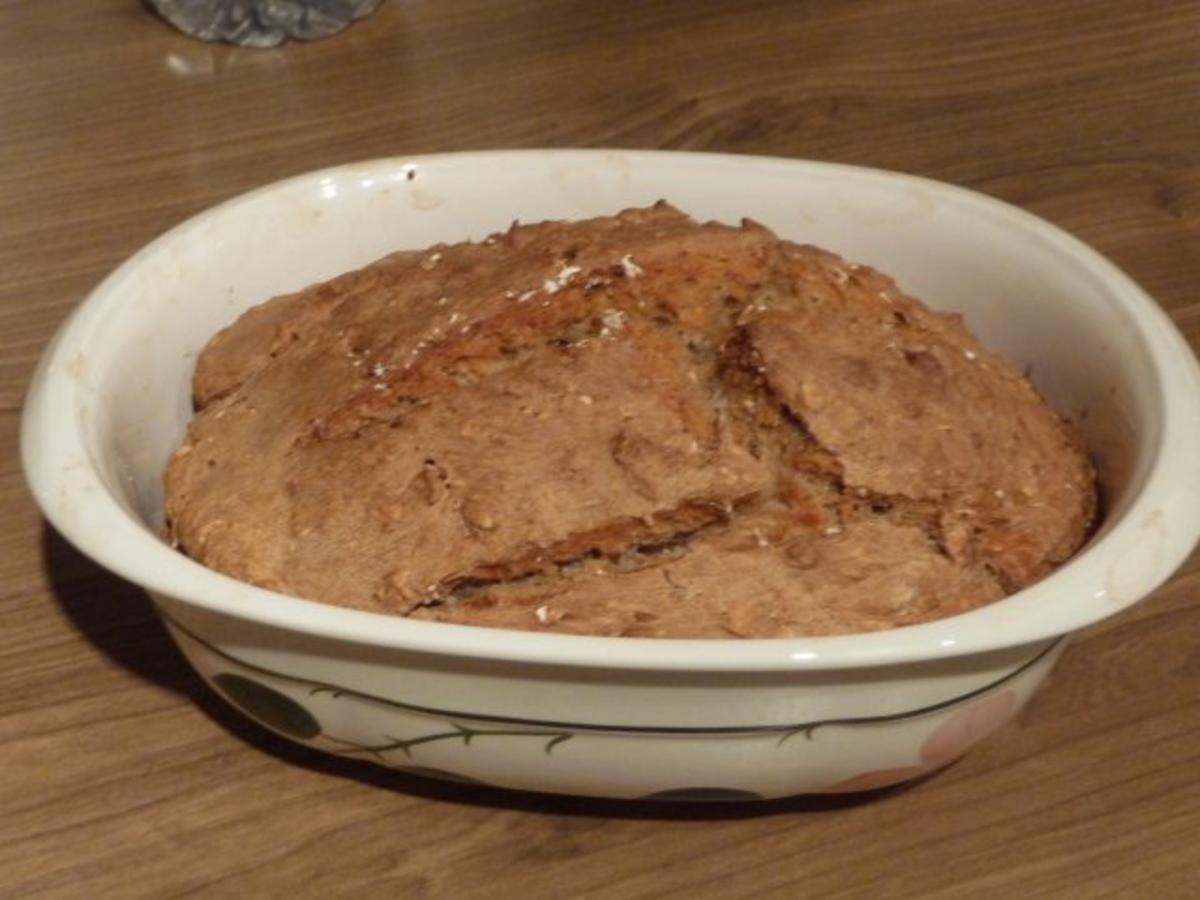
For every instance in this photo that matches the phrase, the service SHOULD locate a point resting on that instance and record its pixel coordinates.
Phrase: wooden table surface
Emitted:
(121, 776)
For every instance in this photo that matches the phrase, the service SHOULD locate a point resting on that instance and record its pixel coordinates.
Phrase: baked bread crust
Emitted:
(633, 425)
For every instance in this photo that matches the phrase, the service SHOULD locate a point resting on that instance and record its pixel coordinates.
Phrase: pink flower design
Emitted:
(967, 727)
(951, 739)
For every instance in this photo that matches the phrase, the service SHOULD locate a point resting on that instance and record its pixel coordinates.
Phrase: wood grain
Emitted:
(120, 776)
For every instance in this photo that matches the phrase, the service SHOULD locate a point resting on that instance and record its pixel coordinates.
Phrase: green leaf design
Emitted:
(268, 706)
(460, 733)
(284, 714)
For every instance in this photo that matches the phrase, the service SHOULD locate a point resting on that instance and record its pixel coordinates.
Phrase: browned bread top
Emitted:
(634, 425)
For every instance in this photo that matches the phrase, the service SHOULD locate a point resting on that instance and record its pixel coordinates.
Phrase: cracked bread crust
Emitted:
(634, 425)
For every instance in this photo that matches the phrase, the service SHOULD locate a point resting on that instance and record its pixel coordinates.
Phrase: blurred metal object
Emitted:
(262, 23)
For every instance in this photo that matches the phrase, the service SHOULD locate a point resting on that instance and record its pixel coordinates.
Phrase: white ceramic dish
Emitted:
(620, 717)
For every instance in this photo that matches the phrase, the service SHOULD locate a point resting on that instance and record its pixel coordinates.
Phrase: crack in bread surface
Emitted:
(634, 425)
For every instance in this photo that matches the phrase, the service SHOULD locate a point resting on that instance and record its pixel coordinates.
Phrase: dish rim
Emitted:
(57, 462)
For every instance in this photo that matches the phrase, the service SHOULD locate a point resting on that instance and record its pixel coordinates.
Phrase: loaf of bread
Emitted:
(637, 426)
